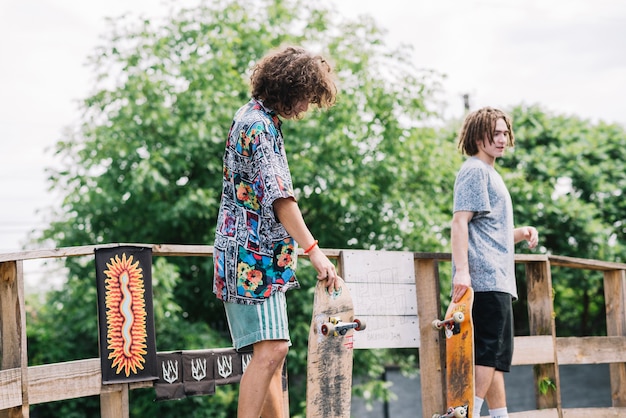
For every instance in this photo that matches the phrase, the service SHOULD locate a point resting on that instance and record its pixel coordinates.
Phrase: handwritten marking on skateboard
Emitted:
(349, 344)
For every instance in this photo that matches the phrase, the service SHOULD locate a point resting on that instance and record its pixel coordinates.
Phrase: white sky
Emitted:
(569, 56)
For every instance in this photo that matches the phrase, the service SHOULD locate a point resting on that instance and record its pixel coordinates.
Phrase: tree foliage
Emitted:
(145, 166)
(374, 172)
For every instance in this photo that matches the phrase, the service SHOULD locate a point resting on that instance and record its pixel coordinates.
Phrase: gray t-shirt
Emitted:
(491, 248)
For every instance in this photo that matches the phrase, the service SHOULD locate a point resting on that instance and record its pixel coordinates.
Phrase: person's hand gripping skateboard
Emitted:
(325, 268)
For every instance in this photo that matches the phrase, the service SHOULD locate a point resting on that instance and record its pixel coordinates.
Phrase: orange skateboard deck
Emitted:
(459, 331)
(329, 359)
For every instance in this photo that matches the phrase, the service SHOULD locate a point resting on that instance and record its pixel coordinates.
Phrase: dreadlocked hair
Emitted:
(478, 126)
(289, 75)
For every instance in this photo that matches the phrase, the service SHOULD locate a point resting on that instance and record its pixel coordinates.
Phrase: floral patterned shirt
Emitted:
(254, 255)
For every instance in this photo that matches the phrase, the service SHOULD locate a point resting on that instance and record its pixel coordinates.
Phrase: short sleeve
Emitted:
(471, 191)
(274, 177)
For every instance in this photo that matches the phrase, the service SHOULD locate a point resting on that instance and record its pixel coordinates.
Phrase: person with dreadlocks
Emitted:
(483, 239)
(260, 225)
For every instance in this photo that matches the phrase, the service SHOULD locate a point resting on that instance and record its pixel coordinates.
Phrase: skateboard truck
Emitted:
(451, 324)
(336, 327)
(458, 412)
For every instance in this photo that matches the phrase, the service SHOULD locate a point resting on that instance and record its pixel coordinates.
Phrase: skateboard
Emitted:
(459, 331)
(329, 359)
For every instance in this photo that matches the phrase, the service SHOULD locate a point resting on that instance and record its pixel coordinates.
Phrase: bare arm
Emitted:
(290, 216)
(527, 233)
(460, 242)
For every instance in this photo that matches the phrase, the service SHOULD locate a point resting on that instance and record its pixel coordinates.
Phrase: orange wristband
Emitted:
(311, 247)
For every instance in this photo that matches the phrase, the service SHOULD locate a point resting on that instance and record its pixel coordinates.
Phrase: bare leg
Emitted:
(258, 390)
(274, 405)
(496, 395)
(484, 376)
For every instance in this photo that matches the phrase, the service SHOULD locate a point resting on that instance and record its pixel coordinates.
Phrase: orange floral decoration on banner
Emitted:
(126, 314)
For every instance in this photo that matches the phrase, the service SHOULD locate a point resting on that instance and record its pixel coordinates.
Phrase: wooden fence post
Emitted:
(13, 352)
(615, 299)
(541, 321)
(114, 402)
(431, 354)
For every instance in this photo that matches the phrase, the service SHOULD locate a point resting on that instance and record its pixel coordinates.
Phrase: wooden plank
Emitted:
(77, 379)
(85, 250)
(13, 336)
(556, 260)
(378, 267)
(182, 250)
(380, 299)
(9, 317)
(615, 301)
(593, 412)
(10, 388)
(585, 264)
(52, 253)
(533, 350)
(540, 413)
(541, 322)
(519, 258)
(527, 258)
(382, 284)
(207, 250)
(25, 409)
(572, 413)
(388, 332)
(431, 353)
(591, 350)
(433, 256)
(115, 404)
(448, 257)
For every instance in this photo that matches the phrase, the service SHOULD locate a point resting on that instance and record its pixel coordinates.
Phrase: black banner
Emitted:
(170, 383)
(125, 314)
(197, 372)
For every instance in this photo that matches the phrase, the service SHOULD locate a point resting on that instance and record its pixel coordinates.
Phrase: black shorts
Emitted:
(493, 330)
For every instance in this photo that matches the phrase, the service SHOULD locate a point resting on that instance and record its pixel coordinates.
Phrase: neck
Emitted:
(486, 158)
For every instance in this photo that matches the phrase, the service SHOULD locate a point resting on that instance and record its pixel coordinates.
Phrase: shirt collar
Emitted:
(270, 112)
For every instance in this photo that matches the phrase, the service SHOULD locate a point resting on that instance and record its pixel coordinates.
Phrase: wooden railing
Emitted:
(22, 386)
(542, 348)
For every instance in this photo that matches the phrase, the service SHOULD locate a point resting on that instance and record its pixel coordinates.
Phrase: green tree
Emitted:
(374, 172)
(144, 166)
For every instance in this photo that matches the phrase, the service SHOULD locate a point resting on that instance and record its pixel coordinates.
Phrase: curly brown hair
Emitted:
(479, 125)
(289, 75)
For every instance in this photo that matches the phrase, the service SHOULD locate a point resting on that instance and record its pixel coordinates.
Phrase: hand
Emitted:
(531, 236)
(325, 269)
(460, 283)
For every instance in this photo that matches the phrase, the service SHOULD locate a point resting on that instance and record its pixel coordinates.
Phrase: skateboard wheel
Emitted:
(436, 324)
(360, 325)
(458, 317)
(460, 412)
(436, 416)
(327, 329)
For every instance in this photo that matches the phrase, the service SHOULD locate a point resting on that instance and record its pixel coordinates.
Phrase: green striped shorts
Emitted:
(250, 324)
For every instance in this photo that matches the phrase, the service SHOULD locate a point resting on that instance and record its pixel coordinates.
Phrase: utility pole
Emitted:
(466, 102)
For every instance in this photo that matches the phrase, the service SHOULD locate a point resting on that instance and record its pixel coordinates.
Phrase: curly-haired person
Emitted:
(260, 225)
(483, 255)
